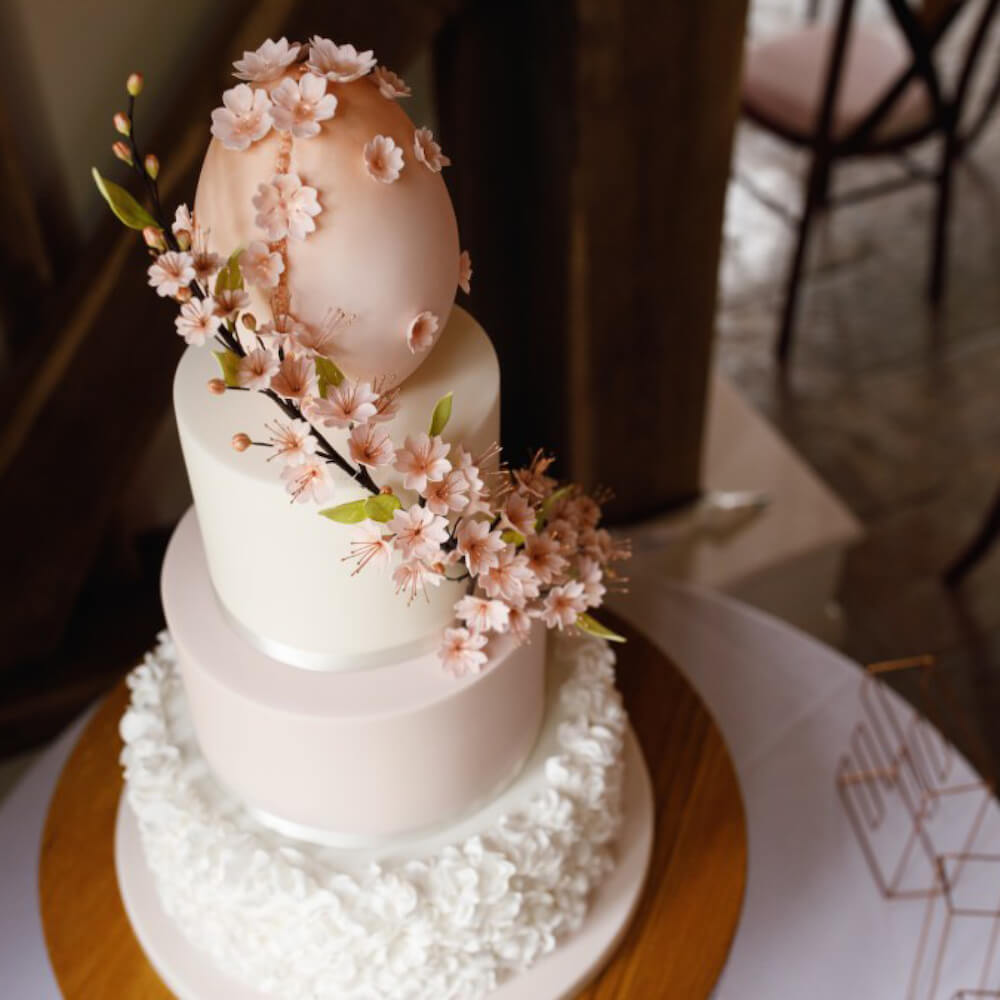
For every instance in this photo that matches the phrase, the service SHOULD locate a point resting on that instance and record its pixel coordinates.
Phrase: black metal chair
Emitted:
(848, 89)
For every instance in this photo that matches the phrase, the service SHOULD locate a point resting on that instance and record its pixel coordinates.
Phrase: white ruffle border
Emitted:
(451, 926)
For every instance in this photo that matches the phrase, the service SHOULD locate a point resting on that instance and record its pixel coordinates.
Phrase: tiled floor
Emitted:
(897, 408)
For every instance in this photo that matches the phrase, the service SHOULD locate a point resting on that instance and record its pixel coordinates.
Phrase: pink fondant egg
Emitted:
(384, 253)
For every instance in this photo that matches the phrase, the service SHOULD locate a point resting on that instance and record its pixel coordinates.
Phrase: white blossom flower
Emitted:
(384, 159)
(427, 151)
(280, 332)
(296, 377)
(370, 546)
(266, 63)
(286, 207)
(477, 489)
(420, 333)
(389, 84)
(479, 544)
(482, 615)
(260, 266)
(511, 579)
(308, 480)
(324, 338)
(340, 63)
(413, 576)
(447, 494)
(520, 624)
(591, 577)
(230, 301)
(293, 441)
(544, 557)
(257, 368)
(206, 266)
(419, 533)
(197, 321)
(464, 271)
(422, 459)
(170, 272)
(345, 404)
(519, 514)
(299, 107)
(461, 652)
(563, 531)
(371, 446)
(244, 118)
(563, 605)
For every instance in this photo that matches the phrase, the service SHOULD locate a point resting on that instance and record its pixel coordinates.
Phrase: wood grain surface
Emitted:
(676, 945)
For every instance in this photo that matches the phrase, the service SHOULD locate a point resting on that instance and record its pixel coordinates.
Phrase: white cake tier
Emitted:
(447, 916)
(347, 756)
(278, 567)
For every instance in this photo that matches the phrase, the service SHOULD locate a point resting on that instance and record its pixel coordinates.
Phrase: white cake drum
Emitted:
(348, 756)
(279, 568)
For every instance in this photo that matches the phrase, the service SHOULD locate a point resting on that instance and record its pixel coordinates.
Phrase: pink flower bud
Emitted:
(122, 123)
(183, 239)
(216, 386)
(134, 84)
(121, 150)
(154, 238)
(249, 321)
(241, 442)
(183, 294)
(152, 165)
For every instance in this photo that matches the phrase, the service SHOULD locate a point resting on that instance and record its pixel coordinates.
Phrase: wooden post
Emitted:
(594, 138)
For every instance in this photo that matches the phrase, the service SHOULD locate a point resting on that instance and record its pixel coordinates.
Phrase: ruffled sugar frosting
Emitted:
(293, 920)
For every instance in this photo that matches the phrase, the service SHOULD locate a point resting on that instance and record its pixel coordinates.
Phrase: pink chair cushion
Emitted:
(784, 79)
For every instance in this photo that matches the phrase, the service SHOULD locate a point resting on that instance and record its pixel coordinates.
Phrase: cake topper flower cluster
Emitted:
(525, 546)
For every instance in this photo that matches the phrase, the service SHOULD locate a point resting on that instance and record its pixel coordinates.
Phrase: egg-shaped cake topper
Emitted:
(336, 199)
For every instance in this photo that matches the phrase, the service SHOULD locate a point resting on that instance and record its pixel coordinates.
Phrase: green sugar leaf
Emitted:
(347, 513)
(382, 507)
(441, 415)
(229, 362)
(125, 207)
(592, 626)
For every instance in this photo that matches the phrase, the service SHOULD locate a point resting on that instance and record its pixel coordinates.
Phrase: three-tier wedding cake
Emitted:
(358, 765)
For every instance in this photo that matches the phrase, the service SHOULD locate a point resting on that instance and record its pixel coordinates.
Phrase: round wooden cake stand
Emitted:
(677, 943)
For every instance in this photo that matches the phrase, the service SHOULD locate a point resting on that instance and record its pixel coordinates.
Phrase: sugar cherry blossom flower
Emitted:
(419, 533)
(519, 514)
(299, 107)
(257, 368)
(447, 494)
(307, 481)
(370, 547)
(520, 624)
(230, 301)
(482, 615)
(266, 63)
(544, 558)
(171, 272)
(386, 406)
(420, 333)
(293, 441)
(563, 605)
(462, 652)
(413, 576)
(389, 84)
(261, 267)
(280, 332)
(345, 404)
(511, 579)
(183, 222)
(244, 118)
(286, 207)
(384, 159)
(562, 530)
(324, 338)
(479, 544)
(422, 459)
(477, 491)
(206, 266)
(427, 151)
(296, 377)
(464, 271)
(371, 446)
(340, 63)
(197, 321)
(591, 576)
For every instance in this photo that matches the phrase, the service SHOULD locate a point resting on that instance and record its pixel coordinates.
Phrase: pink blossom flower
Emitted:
(261, 267)
(230, 301)
(591, 576)
(420, 333)
(421, 460)
(279, 333)
(197, 321)
(340, 63)
(482, 615)
(296, 377)
(419, 533)
(300, 107)
(183, 221)
(206, 266)
(324, 339)
(345, 404)
(511, 579)
(544, 558)
(384, 159)
(244, 118)
(563, 532)
(370, 546)
(462, 652)
(464, 271)
(286, 207)
(427, 151)
(582, 512)
(563, 605)
(308, 480)
(293, 441)
(257, 368)
(520, 624)
(371, 446)
(519, 514)
(447, 494)
(413, 576)
(479, 544)
(477, 492)
(171, 272)
(386, 406)
(389, 84)
(266, 63)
